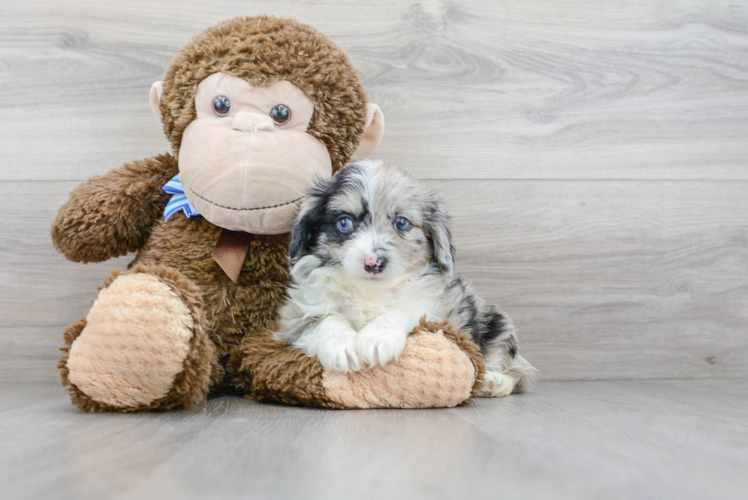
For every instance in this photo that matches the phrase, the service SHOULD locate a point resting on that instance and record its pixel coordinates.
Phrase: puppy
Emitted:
(371, 253)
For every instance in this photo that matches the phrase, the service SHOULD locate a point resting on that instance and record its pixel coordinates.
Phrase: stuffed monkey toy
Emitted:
(254, 108)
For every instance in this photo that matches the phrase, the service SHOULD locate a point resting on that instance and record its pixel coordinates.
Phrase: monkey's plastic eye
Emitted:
(280, 114)
(221, 105)
(345, 224)
(402, 224)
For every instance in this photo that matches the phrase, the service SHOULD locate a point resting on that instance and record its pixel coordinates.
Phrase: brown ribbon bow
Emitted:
(230, 252)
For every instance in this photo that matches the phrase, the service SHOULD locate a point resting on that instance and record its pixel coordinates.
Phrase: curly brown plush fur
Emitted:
(263, 50)
(121, 212)
(111, 215)
(272, 371)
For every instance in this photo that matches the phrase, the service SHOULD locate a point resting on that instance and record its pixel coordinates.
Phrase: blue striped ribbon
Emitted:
(178, 201)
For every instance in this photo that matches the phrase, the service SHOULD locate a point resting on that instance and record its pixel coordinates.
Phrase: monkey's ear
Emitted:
(372, 134)
(155, 97)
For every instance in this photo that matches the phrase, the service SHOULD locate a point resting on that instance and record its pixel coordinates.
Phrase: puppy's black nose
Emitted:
(375, 265)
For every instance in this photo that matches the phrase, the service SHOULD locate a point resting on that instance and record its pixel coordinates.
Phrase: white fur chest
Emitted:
(361, 304)
(325, 292)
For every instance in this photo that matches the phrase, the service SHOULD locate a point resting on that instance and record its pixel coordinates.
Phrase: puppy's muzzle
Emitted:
(375, 264)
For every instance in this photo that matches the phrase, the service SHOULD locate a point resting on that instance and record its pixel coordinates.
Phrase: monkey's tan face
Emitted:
(246, 160)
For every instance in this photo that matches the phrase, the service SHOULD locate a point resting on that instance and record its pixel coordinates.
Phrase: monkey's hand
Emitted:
(113, 214)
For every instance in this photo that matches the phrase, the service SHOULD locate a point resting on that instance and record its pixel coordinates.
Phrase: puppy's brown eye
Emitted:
(280, 114)
(221, 105)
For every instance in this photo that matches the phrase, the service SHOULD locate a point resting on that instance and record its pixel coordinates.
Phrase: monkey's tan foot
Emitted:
(497, 385)
(141, 347)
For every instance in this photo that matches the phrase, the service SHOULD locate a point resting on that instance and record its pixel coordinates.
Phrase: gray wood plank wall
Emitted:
(594, 156)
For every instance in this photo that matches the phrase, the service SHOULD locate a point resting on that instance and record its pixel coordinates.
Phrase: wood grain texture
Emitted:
(575, 440)
(593, 155)
(605, 280)
(472, 89)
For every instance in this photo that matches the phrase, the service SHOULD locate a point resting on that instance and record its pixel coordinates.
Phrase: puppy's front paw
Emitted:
(378, 345)
(339, 354)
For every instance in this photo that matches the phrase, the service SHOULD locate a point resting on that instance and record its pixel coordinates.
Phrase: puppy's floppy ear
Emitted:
(303, 229)
(436, 227)
(301, 232)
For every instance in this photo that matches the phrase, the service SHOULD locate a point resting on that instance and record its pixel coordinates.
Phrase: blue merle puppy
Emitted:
(371, 254)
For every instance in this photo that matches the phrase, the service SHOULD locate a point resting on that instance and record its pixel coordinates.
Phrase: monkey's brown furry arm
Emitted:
(110, 215)
(439, 368)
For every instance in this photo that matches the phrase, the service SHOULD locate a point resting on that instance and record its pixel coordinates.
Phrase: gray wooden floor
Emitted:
(607, 440)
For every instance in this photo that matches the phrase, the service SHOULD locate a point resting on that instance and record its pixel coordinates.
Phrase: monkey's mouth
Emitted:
(277, 205)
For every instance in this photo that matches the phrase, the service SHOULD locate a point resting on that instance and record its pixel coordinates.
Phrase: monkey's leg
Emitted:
(439, 368)
(142, 346)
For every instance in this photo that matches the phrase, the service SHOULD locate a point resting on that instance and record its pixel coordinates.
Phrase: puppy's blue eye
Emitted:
(345, 225)
(402, 224)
